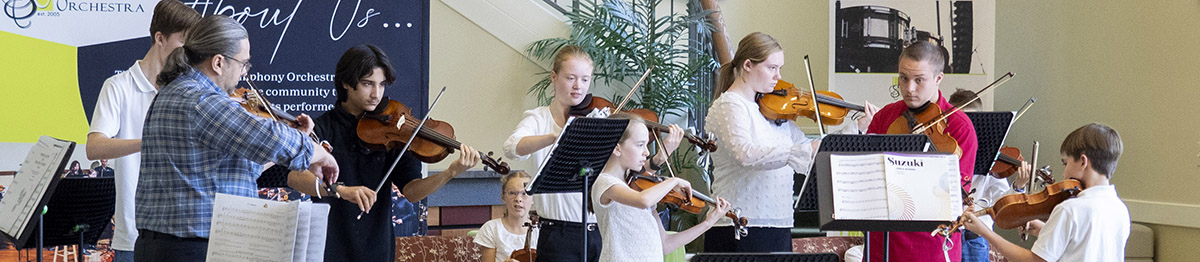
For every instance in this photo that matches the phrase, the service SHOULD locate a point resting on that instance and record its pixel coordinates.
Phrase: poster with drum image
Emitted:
(867, 37)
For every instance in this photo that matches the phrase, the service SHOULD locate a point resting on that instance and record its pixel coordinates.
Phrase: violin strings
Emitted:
(440, 137)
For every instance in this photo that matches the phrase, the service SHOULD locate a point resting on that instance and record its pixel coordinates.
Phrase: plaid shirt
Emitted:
(198, 142)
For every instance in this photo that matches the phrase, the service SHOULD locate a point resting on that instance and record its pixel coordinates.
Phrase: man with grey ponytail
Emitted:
(199, 142)
(121, 107)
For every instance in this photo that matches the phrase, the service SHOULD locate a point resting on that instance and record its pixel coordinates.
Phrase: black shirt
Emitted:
(371, 238)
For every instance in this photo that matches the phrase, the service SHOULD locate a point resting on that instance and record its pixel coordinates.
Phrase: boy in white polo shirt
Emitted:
(116, 131)
(1094, 225)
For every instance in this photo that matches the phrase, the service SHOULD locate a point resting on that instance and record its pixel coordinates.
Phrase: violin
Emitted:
(391, 126)
(527, 254)
(930, 113)
(1015, 210)
(1009, 159)
(1008, 162)
(257, 105)
(590, 102)
(787, 103)
(694, 204)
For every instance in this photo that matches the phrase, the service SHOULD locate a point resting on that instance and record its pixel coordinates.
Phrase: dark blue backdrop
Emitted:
(295, 45)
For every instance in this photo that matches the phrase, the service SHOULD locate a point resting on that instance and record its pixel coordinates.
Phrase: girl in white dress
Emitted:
(632, 230)
(498, 238)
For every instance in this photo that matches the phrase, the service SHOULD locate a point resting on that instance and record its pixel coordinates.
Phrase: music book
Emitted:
(253, 229)
(895, 186)
(32, 186)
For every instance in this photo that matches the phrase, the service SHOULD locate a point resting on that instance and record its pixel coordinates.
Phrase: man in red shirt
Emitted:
(920, 72)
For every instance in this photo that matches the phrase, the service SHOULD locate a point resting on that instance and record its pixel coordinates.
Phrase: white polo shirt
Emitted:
(1091, 227)
(120, 112)
(557, 206)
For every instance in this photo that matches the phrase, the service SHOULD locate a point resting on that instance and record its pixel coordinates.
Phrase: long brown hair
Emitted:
(755, 47)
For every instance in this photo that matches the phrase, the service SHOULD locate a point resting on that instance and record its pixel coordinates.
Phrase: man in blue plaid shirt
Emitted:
(198, 142)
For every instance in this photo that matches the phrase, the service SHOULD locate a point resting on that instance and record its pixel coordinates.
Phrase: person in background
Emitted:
(499, 237)
(120, 112)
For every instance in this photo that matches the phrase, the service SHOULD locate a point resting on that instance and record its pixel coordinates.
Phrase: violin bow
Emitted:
(406, 145)
(631, 90)
(812, 89)
(1025, 108)
(999, 81)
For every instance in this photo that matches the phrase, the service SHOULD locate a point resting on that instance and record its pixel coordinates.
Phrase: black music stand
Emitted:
(766, 257)
(23, 239)
(851, 143)
(78, 211)
(991, 129)
(581, 152)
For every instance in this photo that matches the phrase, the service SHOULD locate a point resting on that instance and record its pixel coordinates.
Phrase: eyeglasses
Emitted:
(246, 64)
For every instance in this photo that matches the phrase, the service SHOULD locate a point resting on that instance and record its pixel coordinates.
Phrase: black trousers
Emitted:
(563, 241)
(760, 239)
(155, 246)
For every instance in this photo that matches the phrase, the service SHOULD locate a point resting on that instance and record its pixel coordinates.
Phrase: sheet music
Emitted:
(21, 198)
(318, 226)
(922, 187)
(252, 229)
(890, 186)
(859, 190)
(302, 230)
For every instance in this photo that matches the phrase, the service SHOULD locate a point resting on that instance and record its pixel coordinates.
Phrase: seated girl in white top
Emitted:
(498, 238)
(632, 230)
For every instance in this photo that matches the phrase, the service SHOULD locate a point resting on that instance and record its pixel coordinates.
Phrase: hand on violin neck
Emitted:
(972, 223)
(716, 212)
(867, 116)
(1023, 175)
(305, 124)
(468, 157)
(673, 139)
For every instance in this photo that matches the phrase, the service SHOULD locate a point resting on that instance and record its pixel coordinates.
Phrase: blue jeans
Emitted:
(122, 256)
(975, 250)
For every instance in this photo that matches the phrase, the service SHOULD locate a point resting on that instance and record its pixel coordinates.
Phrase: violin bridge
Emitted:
(400, 122)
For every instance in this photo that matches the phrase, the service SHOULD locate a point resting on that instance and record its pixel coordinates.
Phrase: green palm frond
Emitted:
(624, 38)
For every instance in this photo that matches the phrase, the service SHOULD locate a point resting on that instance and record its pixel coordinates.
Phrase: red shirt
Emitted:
(919, 246)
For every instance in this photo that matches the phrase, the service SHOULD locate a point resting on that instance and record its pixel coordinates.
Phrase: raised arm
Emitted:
(525, 140)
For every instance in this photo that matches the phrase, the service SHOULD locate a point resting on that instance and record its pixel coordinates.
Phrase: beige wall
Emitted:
(1129, 64)
(486, 82)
